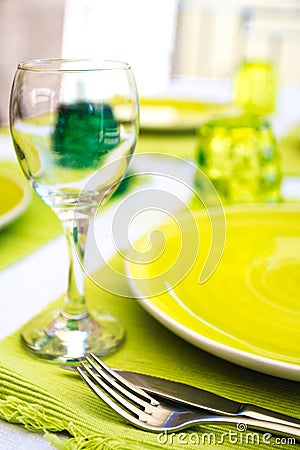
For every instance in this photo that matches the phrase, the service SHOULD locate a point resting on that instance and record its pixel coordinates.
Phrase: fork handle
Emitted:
(258, 413)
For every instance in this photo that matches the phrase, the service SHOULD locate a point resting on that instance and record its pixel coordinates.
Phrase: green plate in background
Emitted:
(15, 195)
(177, 115)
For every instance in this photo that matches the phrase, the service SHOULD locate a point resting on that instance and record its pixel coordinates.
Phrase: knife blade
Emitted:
(194, 397)
(182, 393)
(178, 392)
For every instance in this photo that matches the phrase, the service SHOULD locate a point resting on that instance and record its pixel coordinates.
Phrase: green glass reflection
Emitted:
(84, 133)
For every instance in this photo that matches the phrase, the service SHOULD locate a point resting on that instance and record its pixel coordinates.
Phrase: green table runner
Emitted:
(37, 226)
(40, 395)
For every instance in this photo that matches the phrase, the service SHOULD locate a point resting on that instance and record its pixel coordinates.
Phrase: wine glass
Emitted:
(68, 120)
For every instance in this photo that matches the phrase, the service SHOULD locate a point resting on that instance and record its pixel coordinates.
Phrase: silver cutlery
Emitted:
(196, 398)
(193, 397)
(146, 412)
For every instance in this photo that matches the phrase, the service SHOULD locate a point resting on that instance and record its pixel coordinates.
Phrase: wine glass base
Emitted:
(54, 337)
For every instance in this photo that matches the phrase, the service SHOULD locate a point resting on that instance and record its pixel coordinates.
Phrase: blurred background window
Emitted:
(28, 29)
(220, 33)
(141, 32)
(163, 40)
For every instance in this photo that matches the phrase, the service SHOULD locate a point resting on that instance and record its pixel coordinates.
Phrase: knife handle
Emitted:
(258, 413)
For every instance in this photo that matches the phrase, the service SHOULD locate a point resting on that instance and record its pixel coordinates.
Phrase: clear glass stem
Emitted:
(67, 335)
(75, 231)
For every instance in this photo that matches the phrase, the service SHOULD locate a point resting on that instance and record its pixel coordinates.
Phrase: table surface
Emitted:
(34, 296)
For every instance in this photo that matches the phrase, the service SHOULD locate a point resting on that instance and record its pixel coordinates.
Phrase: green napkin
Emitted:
(41, 396)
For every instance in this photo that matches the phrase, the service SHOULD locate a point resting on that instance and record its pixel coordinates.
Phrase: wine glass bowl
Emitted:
(69, 121)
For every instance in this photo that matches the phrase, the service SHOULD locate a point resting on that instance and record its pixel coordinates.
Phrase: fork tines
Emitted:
(113, 389)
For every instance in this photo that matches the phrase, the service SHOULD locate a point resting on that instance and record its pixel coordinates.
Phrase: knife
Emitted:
(193, 397)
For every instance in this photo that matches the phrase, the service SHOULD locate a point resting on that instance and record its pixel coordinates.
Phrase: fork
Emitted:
(147, 413)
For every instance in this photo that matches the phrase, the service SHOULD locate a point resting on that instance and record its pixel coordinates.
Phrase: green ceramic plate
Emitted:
(14, 196)
(176, 114)
(248, 312)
